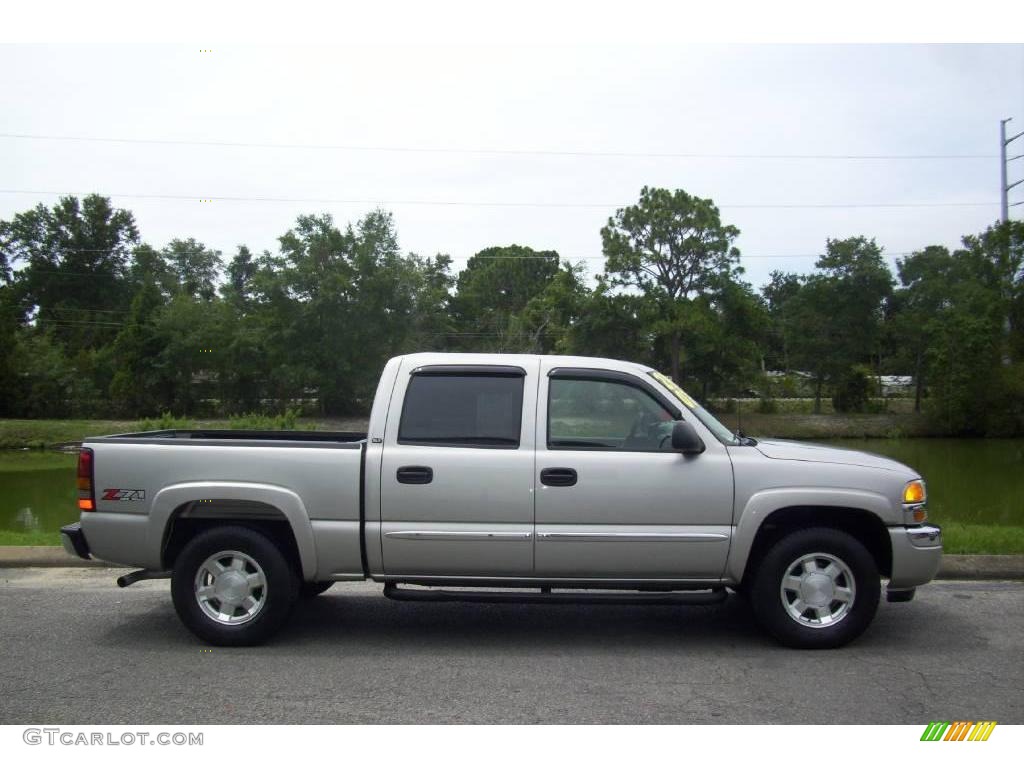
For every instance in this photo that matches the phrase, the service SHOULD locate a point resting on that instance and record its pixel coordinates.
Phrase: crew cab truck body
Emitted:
(556, 478)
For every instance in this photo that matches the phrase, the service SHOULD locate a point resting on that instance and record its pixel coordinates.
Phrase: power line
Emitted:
(497, 151)
(51, 308)
(98, 323)
(483, 203)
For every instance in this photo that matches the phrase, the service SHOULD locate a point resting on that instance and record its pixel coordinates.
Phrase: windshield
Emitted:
(720, 431)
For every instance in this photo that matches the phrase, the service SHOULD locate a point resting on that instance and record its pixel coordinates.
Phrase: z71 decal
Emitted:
(123, 494)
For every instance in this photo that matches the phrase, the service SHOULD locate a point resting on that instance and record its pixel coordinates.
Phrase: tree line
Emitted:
(96, 322)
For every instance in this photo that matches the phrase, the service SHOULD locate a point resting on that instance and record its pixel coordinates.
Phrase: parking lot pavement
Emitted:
(79, 650)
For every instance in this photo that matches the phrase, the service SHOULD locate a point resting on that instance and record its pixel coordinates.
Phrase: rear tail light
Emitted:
(86, 495)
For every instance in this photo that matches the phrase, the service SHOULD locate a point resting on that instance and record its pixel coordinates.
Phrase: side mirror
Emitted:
(685, 439)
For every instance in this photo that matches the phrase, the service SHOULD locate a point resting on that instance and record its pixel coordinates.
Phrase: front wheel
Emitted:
(233, 586)
(816, 588)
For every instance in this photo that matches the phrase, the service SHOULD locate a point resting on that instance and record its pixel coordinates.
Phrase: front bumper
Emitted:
(916, 554)
(73, 539)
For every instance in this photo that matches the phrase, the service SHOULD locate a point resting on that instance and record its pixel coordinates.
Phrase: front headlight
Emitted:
(914, 496)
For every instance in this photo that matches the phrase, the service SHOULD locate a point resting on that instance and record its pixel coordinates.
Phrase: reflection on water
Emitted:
(26, 520)
(37, 499)
(969, 481)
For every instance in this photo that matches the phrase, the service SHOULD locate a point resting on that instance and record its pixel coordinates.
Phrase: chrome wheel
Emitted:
(230, 587)
(818, 590)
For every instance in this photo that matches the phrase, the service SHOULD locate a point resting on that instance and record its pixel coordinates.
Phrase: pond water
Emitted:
(969, 481)
(37, 491)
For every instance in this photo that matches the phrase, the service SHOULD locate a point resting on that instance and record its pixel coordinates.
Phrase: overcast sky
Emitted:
(578, 131)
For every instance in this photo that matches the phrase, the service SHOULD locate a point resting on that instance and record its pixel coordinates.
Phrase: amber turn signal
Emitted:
(914, 492)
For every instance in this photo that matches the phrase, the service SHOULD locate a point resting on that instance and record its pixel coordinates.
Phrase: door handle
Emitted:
(559, 476)
(414, 475)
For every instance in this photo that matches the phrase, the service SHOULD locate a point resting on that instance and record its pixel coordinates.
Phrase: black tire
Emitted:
(314, 588)
(276, 598)
(767, 596)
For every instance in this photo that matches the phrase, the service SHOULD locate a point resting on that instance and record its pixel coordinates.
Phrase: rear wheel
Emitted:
(233, 586)
(816, 588)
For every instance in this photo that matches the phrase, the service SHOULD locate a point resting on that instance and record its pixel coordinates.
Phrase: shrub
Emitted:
(166, 420)
(853, 391)
(284, 420)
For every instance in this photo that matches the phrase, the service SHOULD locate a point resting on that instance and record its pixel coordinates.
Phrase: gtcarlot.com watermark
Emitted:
(72, 738)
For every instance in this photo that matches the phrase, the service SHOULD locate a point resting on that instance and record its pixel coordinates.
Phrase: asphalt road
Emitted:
(76, 649)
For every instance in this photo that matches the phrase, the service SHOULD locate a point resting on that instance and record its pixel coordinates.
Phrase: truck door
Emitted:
(457, 471)
(613, 500)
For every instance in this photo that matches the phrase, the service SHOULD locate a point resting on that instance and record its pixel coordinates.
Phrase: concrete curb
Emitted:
(44, 557)
(996, 567)
(957, 567)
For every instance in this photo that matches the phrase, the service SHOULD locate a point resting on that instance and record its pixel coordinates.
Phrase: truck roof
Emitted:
(572, 361)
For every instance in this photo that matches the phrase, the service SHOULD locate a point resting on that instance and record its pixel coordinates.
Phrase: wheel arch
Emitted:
(179, 511)
(861, 514)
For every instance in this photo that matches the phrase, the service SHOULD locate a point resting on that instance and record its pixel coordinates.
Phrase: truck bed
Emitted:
(147, 483)
(179, 436)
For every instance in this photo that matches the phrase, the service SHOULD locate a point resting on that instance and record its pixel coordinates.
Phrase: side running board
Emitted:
(545, 595)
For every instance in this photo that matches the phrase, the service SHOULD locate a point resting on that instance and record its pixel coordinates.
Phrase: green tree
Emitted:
(11, 316)
(311, 347)
(241, 353)
(336, 305)
(432, 322)
(925, 279)
(673, 247)
(195, 267)
(613, 324)
(74, 258)
(730, 327)
(998, 253)
(496, 285)
(241, 272)
(781, 287)
(543, 325)
(960, 310)
(964, 354)
(837, 312)
(136, 387)
(148, 266)
(191, 349)
(46, 381)
(383, 306)
(816, 333)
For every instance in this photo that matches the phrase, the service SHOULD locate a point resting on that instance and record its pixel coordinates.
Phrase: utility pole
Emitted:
(1004, 188)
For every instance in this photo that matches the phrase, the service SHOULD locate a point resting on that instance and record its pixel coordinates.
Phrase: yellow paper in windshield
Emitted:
(675, 389)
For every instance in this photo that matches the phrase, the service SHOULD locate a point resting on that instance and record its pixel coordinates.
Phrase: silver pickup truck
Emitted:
(509, 478)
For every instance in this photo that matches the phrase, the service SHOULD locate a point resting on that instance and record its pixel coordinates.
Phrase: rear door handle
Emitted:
(414, 475)
(559, 476)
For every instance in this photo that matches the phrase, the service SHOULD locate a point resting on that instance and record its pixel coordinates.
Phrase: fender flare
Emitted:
(288, 502)
(761, 505)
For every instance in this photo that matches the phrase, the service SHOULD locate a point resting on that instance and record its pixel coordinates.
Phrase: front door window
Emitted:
(605, 415)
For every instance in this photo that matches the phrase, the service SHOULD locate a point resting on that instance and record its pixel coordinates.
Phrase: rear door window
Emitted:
(472, 410)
